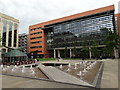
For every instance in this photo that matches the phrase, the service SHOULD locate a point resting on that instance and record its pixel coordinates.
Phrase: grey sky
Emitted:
(31, 12)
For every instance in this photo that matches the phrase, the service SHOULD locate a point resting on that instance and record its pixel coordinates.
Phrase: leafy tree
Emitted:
(95, 49)
(74, 49)
(111, 41)
(85, 48)
(65, 51)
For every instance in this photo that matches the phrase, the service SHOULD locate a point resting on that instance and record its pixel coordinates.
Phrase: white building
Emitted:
(8, 32)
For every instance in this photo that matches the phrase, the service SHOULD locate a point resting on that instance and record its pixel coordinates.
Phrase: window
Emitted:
(36, 29)
(36, 42)
(83, 27)
(15, 38)
(36, 37)
(36, 47)
(10, 39)
(4, 25)
(10, 26)
(36, 33)
(15, 26)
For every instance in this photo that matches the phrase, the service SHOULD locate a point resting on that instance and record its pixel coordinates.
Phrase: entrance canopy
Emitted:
(15, 55)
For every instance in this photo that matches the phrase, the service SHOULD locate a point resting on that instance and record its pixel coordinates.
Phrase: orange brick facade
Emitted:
(118, 22)
(43, 34)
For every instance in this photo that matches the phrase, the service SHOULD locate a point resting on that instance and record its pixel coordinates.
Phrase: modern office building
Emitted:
(23, 42)
(59, 37)
(8, 32)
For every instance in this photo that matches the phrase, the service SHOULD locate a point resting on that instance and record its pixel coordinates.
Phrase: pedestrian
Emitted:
(58, 59)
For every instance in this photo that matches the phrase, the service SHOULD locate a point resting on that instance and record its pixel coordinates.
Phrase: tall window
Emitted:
(4, 25)
(10, 26)
(15, 26)
(4, 32)
(15, 35)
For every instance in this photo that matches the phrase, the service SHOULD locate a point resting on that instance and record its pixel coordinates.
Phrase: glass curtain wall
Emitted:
(75, 31)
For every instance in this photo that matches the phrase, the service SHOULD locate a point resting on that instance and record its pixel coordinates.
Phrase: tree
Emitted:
(65, 51)
(95, 49)
(111, 41)
(85, 48)
(74, 49)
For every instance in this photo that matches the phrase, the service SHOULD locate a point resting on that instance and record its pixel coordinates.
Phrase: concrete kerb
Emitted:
(97, 81)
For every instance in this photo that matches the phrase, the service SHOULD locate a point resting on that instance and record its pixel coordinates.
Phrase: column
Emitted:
(7, 35)
(116, 54)
(13, 35)
(58, 53)
(54, 53)
(17, 36)
(70, 53)
(1, 33)
(90, 53)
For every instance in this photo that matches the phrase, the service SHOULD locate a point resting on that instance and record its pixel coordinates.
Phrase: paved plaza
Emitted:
(19, 82)
(109, 78)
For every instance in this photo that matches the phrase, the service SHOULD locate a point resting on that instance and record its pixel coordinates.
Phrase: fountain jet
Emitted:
(61, 66)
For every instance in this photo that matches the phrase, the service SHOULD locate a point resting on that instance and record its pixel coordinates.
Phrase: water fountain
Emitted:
(31, 67)
(94, 62)
(33, 72)
(80, 63)
(80, 74)
(75, 66)
(68, 69)
(88, 68)
(15, 66)
(8, 66)
(61, 66)
(86, 61)
(13, 69)
(85, 70)
(4, 69)
(85, 65)
(91, 65)
(69, 65)
(1, 65)
(23, 69)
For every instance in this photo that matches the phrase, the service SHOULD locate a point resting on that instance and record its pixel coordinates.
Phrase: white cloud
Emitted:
(30, 12)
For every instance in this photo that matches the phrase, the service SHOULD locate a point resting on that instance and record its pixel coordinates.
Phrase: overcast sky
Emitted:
(31, 12)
